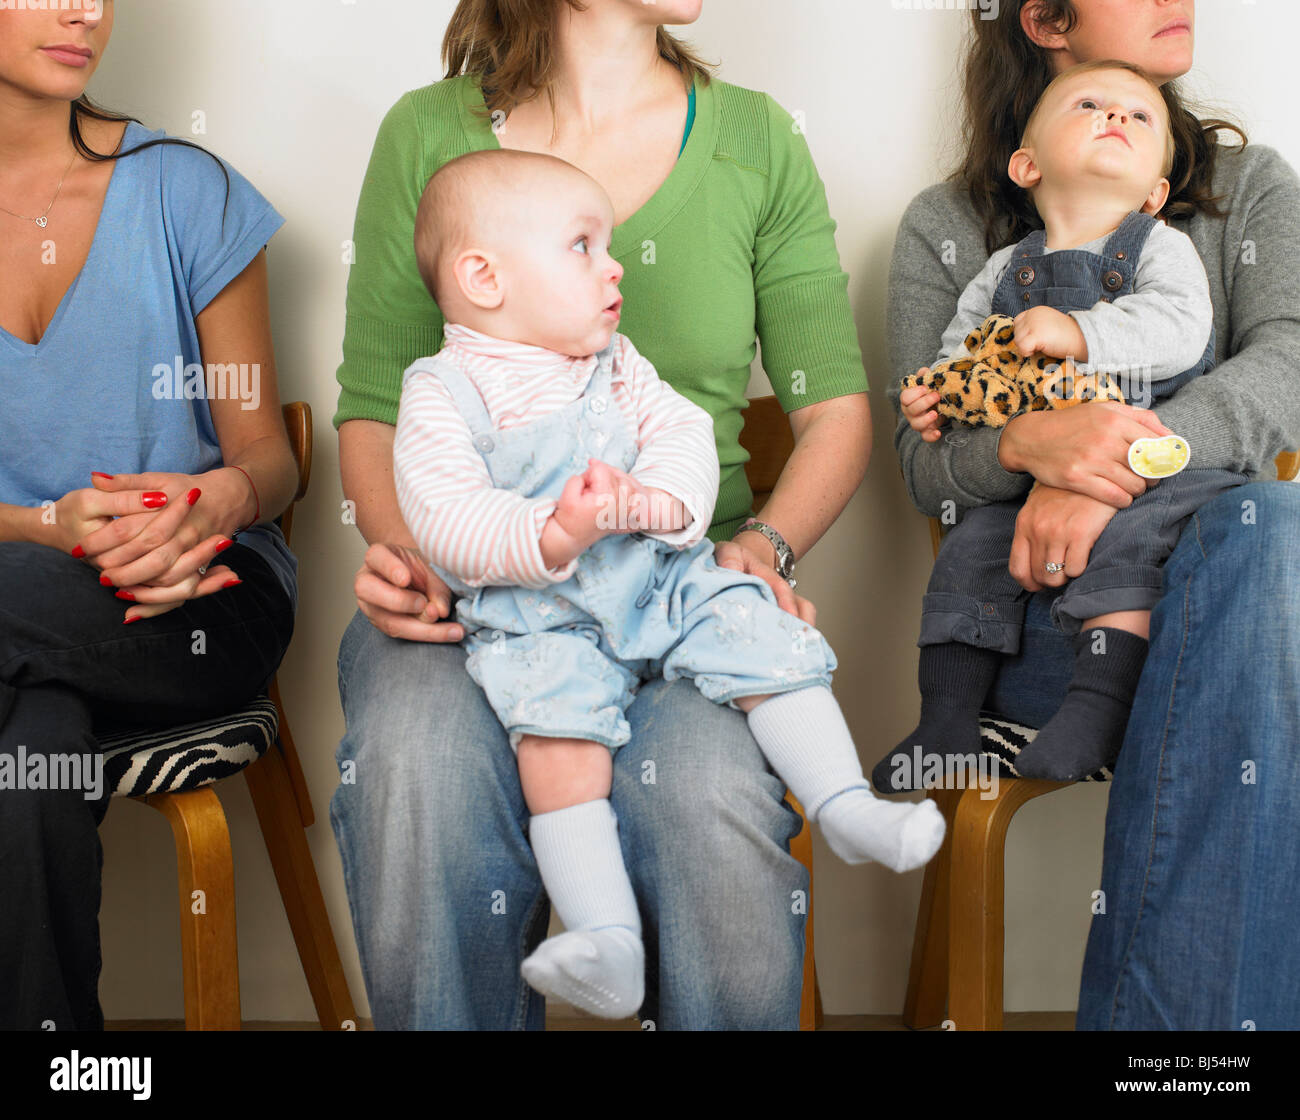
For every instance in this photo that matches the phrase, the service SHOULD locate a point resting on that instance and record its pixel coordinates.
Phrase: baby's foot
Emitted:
(599, 970)
(861, 828)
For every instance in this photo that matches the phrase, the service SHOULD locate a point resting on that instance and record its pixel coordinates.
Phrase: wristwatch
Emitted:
(784, 553)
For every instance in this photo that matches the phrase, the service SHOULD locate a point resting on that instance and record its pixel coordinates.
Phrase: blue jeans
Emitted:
(1201, 865)
(444, 892)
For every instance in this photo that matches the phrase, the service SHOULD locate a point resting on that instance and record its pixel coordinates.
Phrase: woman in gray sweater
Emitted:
(1201, 849)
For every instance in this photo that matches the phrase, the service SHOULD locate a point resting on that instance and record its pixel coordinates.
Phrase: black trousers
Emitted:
(71, 670)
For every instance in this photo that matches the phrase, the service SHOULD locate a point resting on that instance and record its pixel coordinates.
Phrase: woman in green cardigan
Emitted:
(723, 230)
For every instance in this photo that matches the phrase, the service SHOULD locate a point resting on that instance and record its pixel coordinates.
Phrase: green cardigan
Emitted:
(736, 244)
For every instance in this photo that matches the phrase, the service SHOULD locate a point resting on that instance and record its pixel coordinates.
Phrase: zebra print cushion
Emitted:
(179, 758)
(1003, 740)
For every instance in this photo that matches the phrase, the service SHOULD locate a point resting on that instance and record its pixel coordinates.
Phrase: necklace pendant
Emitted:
(42, 221)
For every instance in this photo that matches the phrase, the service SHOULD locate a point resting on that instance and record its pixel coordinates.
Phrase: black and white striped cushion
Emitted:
(1003, 740)
(174, 759)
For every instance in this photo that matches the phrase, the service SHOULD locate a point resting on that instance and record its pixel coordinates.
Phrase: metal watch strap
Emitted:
(784, 553)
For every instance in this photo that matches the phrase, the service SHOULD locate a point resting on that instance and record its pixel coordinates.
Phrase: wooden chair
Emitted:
(173, 770)
(958, 947)
(769, 440)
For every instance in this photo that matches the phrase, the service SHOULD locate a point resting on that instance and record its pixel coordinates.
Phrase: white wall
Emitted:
(293, 94)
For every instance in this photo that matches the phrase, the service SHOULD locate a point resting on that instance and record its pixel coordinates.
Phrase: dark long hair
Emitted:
(84, 107)
(1004, 75)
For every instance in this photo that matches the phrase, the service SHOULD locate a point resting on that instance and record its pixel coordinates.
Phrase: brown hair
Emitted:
(1004, 75)
(509, 45)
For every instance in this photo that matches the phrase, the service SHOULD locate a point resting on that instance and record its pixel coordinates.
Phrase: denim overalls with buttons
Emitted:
(972, 596)
(1076, 280)
(566, 661)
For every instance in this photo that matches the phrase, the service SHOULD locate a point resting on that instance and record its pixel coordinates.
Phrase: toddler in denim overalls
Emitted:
(974, 608)
(561, 657)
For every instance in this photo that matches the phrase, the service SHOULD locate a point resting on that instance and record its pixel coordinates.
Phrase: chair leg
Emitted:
(976, 897)
(810, 1002)
(927, 979)
(209, 946)
(286, 843)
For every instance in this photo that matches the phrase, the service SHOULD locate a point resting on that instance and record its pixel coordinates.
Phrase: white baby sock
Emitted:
(598, 963)
(804, 736)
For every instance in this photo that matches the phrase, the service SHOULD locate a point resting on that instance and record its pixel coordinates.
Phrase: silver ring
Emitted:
(1055, 567)
(203, 569)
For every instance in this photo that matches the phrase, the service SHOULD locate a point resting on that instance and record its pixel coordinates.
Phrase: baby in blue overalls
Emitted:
(1094, 156)
(513, 247)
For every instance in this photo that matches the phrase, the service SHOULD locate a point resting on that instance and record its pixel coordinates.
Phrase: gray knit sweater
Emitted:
(1239, 416)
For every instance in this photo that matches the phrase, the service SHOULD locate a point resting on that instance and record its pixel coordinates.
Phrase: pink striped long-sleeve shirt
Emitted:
(486, 536)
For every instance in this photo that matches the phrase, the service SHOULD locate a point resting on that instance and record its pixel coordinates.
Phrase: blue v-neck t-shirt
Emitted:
(107, 387)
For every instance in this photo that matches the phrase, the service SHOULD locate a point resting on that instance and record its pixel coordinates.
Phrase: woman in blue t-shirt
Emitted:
(134, 342)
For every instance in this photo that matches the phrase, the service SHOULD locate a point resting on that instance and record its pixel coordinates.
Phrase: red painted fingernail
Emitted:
(126, 595)
(155, 498)
(231, 583)
(193, 495)
(126, 621)
(100, 474)
(223, 545)
(78, 552)
(105, 581)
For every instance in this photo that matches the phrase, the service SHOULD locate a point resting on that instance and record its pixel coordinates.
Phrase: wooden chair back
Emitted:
(768, 439)
(297, 422)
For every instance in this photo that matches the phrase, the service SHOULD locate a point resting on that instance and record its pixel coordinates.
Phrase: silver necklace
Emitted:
(43, 220)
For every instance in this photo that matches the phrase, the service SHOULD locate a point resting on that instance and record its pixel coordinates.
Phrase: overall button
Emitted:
(484, 443)
(598, 404)
(1112, 281)
(1025, 276)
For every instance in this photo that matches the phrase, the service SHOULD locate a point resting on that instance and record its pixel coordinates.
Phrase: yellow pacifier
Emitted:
(1158, 456)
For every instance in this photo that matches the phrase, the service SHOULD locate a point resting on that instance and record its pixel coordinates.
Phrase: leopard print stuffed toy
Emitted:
(996, 381)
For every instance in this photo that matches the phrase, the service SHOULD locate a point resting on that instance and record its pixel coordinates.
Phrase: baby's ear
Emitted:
(1023, 169)
(1155, 201)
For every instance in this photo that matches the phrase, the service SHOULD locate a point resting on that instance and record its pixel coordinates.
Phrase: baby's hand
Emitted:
(624, 502)
(1048, 331)
(600, 501)
(918, 406)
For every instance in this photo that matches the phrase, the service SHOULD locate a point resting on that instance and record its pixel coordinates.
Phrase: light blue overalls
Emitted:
(566, 661)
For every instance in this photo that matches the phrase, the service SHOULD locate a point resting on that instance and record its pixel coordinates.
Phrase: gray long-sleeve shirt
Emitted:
(1239, 416)
(1159, 330)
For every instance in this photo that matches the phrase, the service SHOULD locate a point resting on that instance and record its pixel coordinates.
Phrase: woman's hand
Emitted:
(739, 557)
(1056, 525)
(80, 513)
(166, 547)
(1083, 449)
(403, 597)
